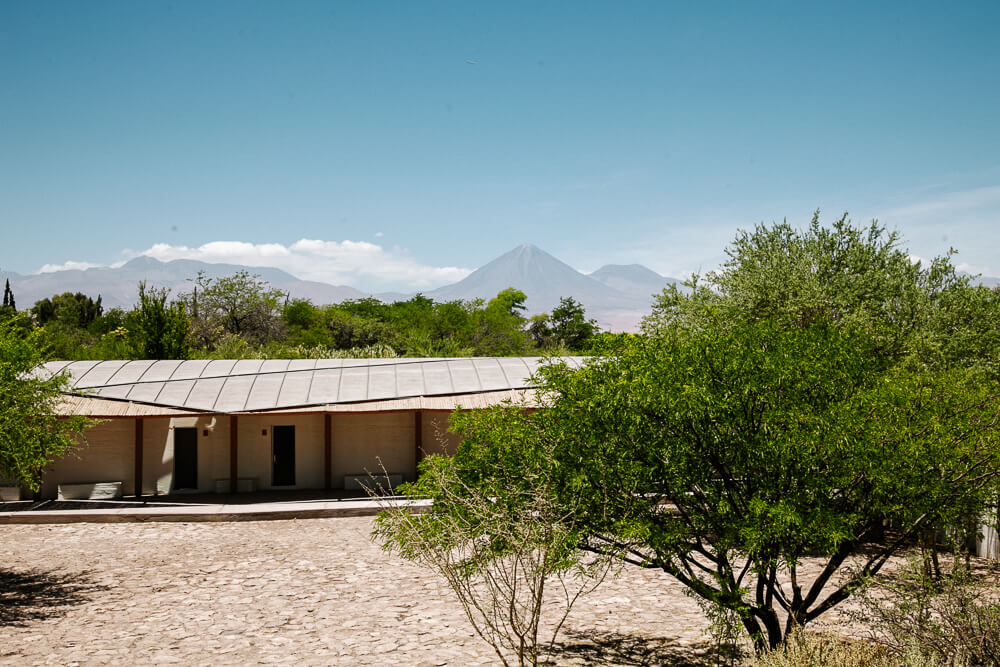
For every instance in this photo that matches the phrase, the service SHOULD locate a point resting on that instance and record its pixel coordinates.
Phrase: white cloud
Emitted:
(367, 266)
(379, 235)
(68, 266)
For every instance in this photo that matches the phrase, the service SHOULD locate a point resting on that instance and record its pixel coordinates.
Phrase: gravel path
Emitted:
(274, 592)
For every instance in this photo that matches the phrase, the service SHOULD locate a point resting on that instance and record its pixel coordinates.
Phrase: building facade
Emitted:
(168, 427)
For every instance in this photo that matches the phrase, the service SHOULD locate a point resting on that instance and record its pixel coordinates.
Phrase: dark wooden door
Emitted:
(283, 456)
(185, 458)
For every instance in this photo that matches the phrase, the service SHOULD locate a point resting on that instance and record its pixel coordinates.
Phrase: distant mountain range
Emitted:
(118, 287)
(616, 295)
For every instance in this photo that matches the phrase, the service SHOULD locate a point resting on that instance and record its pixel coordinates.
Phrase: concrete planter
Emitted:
(10, 493)
(91, 491)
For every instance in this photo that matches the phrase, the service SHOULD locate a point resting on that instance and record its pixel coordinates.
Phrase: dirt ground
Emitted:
(314, 592)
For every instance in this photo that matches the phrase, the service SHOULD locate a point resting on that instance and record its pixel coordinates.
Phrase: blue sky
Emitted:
(397, 145)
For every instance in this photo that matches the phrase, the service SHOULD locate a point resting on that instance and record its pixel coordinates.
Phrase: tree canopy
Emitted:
(818, 385)
(31, 433)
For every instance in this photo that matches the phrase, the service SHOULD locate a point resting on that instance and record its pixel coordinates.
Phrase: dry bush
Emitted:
(814, 650)
(949, 620)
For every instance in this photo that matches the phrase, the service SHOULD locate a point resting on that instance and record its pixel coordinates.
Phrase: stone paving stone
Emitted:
(308, 592)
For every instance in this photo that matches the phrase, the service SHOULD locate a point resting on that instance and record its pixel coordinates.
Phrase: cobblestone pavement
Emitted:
(273, 592)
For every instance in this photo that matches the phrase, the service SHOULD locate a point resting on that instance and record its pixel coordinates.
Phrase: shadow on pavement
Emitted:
(36, 595)
(611, 648)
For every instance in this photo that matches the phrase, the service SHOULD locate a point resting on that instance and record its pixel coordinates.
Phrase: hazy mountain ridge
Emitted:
(616, 295)
(118, 287)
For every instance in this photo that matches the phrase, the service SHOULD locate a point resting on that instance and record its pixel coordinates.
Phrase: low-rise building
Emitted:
(170, 427)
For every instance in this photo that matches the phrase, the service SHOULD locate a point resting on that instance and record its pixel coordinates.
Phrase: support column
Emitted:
(327, 451)
(234, 470)
(418, 440)
(138, 457)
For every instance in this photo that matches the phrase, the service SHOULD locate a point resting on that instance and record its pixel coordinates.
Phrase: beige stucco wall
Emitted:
(437, 439)
(107, 455)
(367, 443)
(158, 452)
(361, 442)
(255, 442)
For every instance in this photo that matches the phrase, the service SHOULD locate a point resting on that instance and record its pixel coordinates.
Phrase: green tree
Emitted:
(32, 433)
(9, 304)
(70, 310)
(241, 305)
(570, 325)
(160, 328)
(500, 325)
(497, 533)
(804, 394)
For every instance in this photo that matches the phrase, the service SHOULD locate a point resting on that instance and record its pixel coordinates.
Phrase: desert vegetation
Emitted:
(821, 395)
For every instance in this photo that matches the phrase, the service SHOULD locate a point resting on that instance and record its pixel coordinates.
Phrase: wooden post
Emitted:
(234, 470)
(418, 440)
(327, 451)
(138, 457)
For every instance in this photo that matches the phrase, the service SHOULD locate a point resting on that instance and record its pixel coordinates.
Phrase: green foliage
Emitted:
(570, 327)
(240, 305)
(242, 317)
(161, 328)
(9, 304)
(70, 310)
(787, 407)
(32, 435)
(496, 531)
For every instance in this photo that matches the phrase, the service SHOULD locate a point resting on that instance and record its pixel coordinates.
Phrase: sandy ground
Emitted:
(304, 592)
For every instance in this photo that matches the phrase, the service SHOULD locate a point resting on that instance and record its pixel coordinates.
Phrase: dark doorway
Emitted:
(185, 458)
(283, 456)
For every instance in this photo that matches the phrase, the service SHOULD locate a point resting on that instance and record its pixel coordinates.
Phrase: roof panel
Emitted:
(301, 364)
(190, 369)
(205, 393)
(234, 393)
(264, 393)
(381, 382)
(409, 380)
(175, 393)
(295, 389)
(146, 392)
(114, 391)
(437, 378)
(50, 368)
(78, 369)
(463, 375)
(325, 386)
(131, 371)
(353, 383)
(274, 365)
(491, 376)
(516, 370)
(100, 374)
(227, 385)
(161, 370)
(218, 368)
(247, 366)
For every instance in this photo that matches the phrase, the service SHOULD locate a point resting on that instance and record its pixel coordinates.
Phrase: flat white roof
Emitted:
(259, 385)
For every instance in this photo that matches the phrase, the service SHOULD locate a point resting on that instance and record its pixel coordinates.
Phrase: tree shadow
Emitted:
(35, 595)
(612, 648)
